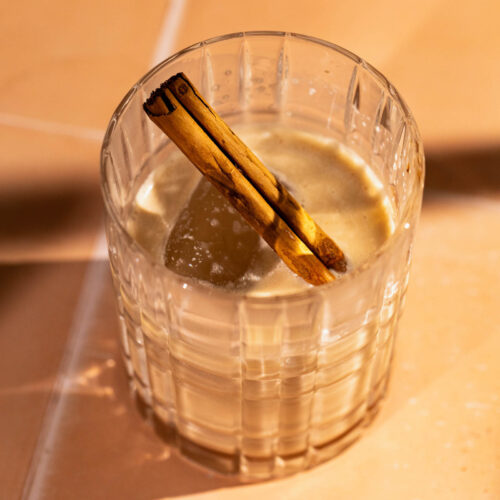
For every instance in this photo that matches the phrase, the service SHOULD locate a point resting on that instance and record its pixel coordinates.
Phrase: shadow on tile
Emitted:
(36, 220)
(464, 172)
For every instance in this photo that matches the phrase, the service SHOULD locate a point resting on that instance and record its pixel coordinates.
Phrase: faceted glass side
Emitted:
(263, 387)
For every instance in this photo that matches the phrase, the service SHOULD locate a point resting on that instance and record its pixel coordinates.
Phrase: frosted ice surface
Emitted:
(210, 241)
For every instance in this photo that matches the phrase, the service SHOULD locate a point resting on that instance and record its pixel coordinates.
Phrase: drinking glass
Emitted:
(261, 387)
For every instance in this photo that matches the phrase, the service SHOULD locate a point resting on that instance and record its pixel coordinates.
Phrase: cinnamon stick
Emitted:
(252, 168)
(185, 128)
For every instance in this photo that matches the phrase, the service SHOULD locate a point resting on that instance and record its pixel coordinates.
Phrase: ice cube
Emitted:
(210, 241)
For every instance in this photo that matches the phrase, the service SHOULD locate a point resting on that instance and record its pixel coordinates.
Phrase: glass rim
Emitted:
(191, 283)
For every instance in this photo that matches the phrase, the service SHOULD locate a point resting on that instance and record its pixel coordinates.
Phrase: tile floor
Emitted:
(65, 67)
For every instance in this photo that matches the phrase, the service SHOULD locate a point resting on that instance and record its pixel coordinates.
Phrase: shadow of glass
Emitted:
(36, 216)
(464, 172)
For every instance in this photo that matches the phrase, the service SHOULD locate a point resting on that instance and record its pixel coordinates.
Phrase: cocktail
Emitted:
(249, 369)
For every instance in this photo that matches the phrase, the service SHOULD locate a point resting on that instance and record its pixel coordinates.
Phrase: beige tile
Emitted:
(448, 72)
(370, 29)
(72, 62)
(441, 55)
(36, 311)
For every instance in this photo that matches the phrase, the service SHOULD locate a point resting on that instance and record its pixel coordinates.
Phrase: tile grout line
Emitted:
(164, 46)
(168, 32)
(87, 300)
(48, 435)
(56, 128)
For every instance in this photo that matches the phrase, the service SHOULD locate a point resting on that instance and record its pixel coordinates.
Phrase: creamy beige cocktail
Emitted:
(202, 236)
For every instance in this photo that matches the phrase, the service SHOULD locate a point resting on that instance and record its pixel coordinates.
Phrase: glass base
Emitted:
(247, 468)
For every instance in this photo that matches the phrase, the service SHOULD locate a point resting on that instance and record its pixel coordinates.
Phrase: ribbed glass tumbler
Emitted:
(264, 386)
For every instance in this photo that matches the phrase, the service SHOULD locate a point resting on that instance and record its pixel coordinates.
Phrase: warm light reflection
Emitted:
(87, 382)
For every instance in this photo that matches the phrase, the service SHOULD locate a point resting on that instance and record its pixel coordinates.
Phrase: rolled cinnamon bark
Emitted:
(219, 154)
(253, 169)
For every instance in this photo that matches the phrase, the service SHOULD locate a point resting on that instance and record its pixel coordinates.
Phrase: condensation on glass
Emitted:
(263, 387)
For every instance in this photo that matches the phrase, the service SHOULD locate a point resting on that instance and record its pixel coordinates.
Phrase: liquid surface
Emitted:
(182, 221)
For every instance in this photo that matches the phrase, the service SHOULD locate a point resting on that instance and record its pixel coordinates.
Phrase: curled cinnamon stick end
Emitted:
(223, 158)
